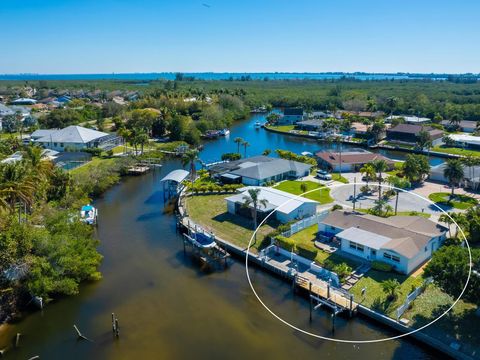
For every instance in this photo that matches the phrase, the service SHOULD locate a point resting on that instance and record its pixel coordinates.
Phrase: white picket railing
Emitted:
(304, 223)
(412, 296)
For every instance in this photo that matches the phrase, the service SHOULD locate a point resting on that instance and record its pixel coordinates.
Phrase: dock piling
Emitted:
(310, 296)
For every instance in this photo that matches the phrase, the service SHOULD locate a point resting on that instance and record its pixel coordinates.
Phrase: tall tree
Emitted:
(245, 145)
(190, 158)
(239, 141)
(453, 172)
(380, 166)
(424, 140)
(252, 200)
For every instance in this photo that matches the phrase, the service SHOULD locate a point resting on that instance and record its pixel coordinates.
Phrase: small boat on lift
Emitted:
(224, 132)
(89, 214)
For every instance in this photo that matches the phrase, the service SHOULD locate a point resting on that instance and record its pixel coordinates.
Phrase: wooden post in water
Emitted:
(17, 340)
(328, 291)
(351, 304)
(310, 295)
(333, 320)
(113, 322)
(117, 328)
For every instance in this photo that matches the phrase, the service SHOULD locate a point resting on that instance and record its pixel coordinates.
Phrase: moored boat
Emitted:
(88, 214)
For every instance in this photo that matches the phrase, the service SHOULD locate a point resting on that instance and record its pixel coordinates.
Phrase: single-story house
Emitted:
(471, 176)
(409, 119)
(290, 207)
(310, 125)
(77, 138)
(466, 141)
(348, 161)
(467, 126)
(259, 170)
(408, 133)
(291, 116)
(404, 242)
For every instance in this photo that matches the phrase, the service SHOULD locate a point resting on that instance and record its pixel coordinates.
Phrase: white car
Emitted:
(324, 175)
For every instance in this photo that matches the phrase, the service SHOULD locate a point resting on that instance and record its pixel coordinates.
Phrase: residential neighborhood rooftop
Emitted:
(350, 157)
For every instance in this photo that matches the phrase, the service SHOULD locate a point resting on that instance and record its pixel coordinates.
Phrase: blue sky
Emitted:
(104, 36)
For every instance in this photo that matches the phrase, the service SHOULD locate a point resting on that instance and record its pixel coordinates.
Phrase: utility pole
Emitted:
(354, 192)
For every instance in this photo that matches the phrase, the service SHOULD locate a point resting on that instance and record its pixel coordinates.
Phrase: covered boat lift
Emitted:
(172, 183)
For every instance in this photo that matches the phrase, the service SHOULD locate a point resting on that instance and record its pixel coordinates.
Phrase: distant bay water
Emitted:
(225, 76)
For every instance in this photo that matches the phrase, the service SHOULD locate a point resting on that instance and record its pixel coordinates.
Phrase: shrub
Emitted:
(231, 156)
(306, 253)
(94, 151)
(337, 207)
(381, 266)
(285, 243)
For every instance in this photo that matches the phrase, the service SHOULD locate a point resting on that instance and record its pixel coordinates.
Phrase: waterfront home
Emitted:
(291, 116)
(409, 119)
(259, 170)
(290, 207)
(76, 138)
(404, 242)
(408, 133)
(466, 141)
(467, 126)
(348, 161)
(310, 125)
(364, 114)
(471, 176)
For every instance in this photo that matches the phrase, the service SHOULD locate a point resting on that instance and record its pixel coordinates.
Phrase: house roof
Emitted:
(462, 123)
(264, 170)
(5, 110)
(37, 134)
(353, 157)
(410, 119)
(468, 171)
(415, 129)
(408, 234)
(293, 111)
(469, 139)
(73, 134)
(364, 237)
(285, 202)
(312, 122)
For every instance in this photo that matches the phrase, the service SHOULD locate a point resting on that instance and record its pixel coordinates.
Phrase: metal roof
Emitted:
(364, 237)
(73, 134)
(176, 175)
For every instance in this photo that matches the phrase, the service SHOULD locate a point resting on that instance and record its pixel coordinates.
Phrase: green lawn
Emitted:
(456, 151)
(401, 213)
(461, 318)
(285, 128)
(307, 237)
(88, 166)
(461, 202)
(338, 177)
(294, 187)
(210, 211)
(375, 298)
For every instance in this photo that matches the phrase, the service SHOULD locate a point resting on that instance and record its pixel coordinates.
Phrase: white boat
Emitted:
(224, 132)
(258, 125)
(88, 214)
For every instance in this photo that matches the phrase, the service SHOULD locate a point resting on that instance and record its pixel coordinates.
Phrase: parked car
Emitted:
(324, 175)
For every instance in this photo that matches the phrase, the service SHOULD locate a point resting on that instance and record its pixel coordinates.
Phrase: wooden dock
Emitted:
(138, 170)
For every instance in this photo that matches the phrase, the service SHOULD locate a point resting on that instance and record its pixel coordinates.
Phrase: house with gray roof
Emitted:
(259, 170)
(75, 138)
(404, 242)
(289, 207)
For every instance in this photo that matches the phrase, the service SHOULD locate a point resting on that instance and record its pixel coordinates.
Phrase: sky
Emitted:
(105, 36)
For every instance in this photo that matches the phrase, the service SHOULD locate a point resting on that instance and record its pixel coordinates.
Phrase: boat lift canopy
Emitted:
(176, 176)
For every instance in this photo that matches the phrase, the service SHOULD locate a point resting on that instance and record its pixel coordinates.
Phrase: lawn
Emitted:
(88, 166)
(376, 298)
(210, 211)
(340, 178)
(461, 202)
(306, 238)
(401, 213)
(294, 187)
(284, 128)
(462, 318)
(456, 151)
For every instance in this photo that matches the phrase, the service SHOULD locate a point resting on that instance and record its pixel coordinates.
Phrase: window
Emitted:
(391, 257)
(426, 249)
(355, 246)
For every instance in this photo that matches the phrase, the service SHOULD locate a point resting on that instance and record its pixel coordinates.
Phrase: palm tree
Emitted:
(253, 199)
(239, 141)
(390, 287)
(368, 171)
(391, 103)
(470, 161)
(16, 185)
(381, 208)
(125, 134)
(447, 220)
(380, 166)
(35, 157)
(191, 157)
(453, 172)
(245, 145)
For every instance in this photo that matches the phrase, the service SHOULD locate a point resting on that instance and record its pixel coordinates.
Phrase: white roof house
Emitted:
(404, 242)
(289, 206)
(409, 119)
(75, 137)
(465, 139)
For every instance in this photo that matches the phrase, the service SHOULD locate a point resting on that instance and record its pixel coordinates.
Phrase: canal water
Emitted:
(169, 309)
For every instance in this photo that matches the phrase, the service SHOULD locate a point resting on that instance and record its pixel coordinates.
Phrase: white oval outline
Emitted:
(358, 341)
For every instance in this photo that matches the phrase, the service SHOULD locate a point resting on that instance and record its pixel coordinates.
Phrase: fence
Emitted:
(304, 223)
(412, 296)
